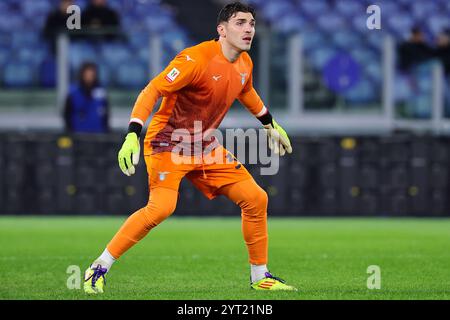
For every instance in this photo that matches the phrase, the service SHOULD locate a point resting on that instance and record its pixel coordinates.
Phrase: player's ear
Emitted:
(221, 30)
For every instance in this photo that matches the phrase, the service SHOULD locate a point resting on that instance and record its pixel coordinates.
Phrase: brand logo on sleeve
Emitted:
(172, 75)
(243, 75)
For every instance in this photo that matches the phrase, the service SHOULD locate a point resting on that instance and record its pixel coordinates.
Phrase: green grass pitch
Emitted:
(205, 258)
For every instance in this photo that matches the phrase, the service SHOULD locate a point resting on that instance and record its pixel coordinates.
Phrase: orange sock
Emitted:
(161, 204)
(253, 201)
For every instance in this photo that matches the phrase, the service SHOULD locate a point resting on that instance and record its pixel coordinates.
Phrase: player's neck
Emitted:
(229, 52)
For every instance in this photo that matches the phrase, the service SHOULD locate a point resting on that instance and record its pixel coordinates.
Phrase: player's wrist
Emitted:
(135, 127)
(266, 119)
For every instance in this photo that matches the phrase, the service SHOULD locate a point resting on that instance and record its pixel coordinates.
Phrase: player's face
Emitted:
(240, 30)
(89, 76)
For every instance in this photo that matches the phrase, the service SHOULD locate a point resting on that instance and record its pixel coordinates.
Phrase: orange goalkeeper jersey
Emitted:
(198, 88)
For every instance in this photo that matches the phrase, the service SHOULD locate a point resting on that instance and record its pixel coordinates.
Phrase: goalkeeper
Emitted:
(200, 84)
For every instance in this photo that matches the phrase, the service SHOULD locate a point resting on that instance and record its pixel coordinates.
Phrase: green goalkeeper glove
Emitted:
(278, 138)
(129, 154)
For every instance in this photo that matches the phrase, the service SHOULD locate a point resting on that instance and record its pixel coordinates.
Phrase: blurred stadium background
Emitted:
(369, 139)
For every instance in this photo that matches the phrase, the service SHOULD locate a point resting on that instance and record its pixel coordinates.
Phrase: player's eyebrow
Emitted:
(245, 20)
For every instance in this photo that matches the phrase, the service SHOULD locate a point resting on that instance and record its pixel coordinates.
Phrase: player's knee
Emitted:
(261, 198)
(156, 213)
(257, 202)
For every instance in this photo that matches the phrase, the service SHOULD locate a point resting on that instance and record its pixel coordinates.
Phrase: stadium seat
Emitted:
(114, 54)
(438, 23)
(388, 7)
(272, 10)
(105, 74)
(175, 40)
(401, 24)
(313, 8)
(143, 55)
(289, 22)
(359, 24)
(361, 93)
(424, 9)
(158, 23)
(139, 40)
(47, 72)
(4, 56)
(374, 71)
(132, 74)
(80, 52)
(346, 39)
(82, 3)
(313, 40)
(256, 3)
(25, 39)
(320, 56)
(11, 22)
(403, 90)
(375, 40)
(32, 55)
(18, 74)
(330, 22)
(31, 8)
(349, 8)
(363, 55)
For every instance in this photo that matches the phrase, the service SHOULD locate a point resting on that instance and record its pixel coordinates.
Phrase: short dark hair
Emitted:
(416, 29)
(86, 66)
(232, 8)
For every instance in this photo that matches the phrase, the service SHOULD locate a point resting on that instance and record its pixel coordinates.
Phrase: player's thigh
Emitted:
(213, 176)
(245, 193)
(163, 172)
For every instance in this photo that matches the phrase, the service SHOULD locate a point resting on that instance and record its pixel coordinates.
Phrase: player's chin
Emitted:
(246, 47)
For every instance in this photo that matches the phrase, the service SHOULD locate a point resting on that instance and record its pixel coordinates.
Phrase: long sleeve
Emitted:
(144, 104)
(181, 71)
(253, 102)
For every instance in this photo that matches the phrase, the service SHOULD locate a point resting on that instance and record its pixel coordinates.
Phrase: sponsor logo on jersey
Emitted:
(172, 75)
(216, 77)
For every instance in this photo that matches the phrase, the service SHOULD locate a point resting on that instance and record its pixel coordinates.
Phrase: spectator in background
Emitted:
(97, 15)
(443, 49)
(414, 51)
(87, 108)
(56, 23)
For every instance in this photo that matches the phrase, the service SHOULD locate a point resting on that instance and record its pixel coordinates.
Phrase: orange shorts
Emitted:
(208, 173)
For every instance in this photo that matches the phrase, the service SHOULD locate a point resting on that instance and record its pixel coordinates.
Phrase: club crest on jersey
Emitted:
(172, 75)
(243, 75)
(162, 175)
